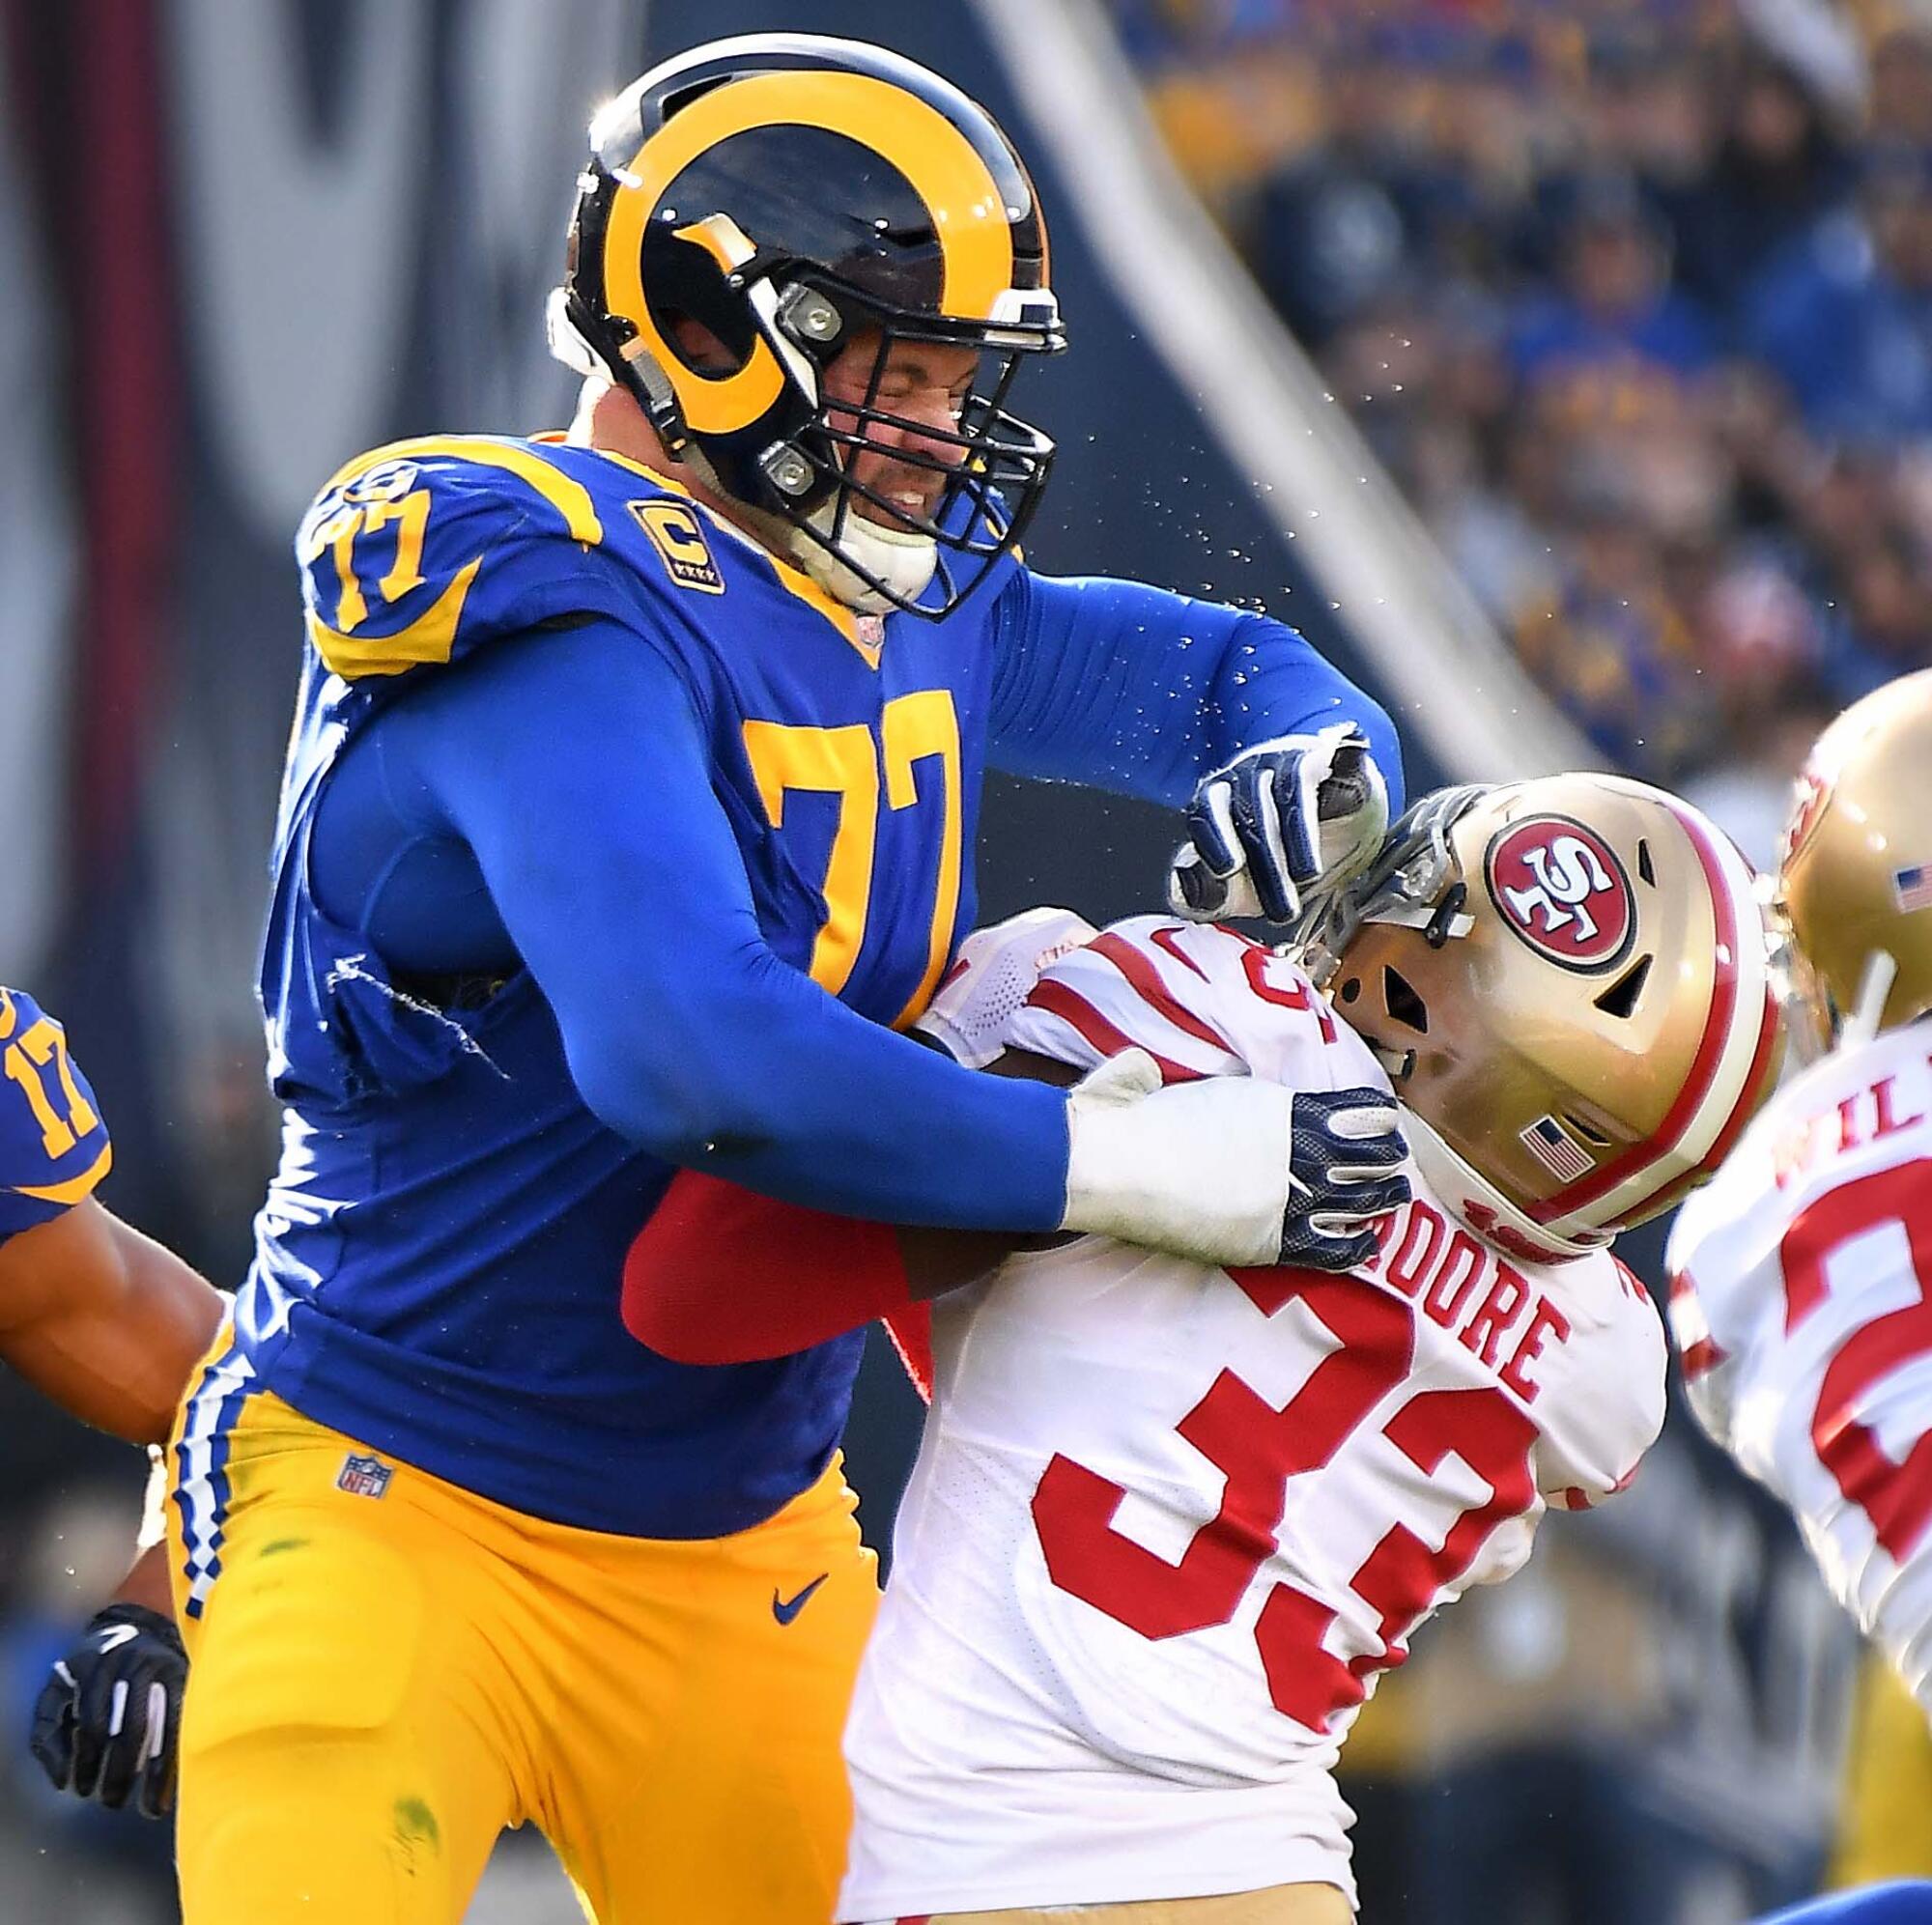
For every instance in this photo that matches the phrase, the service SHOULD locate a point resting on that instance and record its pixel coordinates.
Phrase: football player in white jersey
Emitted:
(1802, 1279)
(1169, 1523)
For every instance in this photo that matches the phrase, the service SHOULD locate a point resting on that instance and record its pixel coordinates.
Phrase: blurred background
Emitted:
(1563, 371)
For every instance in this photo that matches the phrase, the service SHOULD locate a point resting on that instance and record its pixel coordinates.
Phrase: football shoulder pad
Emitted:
(54, 1147)
(416, 553)
(1202, 1000)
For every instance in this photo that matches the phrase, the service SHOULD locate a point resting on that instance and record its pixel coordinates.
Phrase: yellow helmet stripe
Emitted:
(944, 167)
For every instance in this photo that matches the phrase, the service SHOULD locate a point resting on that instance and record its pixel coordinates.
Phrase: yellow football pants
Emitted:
(1883, 1829)
(387, 1670)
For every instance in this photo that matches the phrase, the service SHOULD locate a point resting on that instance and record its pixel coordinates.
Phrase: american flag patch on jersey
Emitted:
(1912, 888)
(364, 1477)
(1553, 1146)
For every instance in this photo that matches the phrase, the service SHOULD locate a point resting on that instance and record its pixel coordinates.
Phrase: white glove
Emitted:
(992, 976)
(1280, 818)
(1232, 1171)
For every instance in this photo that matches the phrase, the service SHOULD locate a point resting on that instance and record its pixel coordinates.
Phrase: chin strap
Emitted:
(902, 558)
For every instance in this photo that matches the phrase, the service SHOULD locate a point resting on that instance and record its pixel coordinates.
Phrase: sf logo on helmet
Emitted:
(1561, 889)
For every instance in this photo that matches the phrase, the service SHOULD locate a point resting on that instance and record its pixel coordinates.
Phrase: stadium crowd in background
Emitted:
(1635, 300)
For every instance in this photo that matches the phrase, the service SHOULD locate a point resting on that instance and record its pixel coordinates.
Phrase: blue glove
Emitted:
(1283, 819)
(1346, 1153)
(108, 1717)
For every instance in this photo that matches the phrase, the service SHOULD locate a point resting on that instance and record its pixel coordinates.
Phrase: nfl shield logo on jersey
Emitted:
(364, 1477)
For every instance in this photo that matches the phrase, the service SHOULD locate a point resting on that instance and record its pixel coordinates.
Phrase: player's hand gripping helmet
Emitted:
(1568, 981)
(785, 191)
(1854, 888)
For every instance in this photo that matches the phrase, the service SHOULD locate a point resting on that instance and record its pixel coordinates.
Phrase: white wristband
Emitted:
(1201, 1168)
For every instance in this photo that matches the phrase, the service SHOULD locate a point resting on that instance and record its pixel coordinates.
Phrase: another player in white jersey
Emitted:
(1169, 1523)
(1802, 1279)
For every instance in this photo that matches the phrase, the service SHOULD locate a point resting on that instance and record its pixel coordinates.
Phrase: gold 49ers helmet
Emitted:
(1854, 872)
(1568, 981)
(784, 193)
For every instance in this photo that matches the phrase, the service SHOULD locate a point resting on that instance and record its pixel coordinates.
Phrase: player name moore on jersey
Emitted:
(1802, 1305)
(1168, 1524)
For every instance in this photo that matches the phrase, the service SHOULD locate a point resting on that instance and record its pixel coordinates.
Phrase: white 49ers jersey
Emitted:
(1802, 1303)
(1169, 1523)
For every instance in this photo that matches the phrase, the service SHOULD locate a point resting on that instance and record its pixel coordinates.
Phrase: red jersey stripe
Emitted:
(1057, 999)
(1168, 941)
(1702, 1359)
(1702, 1356)
(1144, 978)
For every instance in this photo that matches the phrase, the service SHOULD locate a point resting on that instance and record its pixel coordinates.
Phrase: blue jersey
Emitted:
(53, 1144)
(473, 1133)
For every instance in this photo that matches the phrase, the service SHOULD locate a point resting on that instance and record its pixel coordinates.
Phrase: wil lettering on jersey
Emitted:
(1866, 1115)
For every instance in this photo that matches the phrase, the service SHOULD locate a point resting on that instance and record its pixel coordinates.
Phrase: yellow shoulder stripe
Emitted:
(430, 638)
(75, 1187)
(570, 499)
(794, 581)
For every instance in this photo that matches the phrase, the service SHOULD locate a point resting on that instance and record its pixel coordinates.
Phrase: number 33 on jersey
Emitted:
(53, 1146)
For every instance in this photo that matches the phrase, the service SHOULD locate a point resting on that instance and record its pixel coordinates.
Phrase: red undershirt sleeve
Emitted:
(722, 1275)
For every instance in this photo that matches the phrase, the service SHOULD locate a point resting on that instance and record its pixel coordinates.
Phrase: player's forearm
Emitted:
(147, 1582)
(1135, 689)
(1271, 683)
(722, 1275)
(620, 883)
(103, 1320)
(807, 1102)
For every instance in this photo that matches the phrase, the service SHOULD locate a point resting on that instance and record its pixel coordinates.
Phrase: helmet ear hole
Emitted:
(700, 345)
(696, 310)
(1588, 1131)
(1401, 1000)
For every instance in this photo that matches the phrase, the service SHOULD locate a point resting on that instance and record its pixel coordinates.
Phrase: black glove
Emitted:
(1343, 1171)
(107, 1718)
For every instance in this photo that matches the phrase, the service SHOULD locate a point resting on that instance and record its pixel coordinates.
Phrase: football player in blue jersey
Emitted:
(109, 1325)
(629, 813)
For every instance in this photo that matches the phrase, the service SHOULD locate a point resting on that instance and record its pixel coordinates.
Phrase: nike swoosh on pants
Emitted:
(786, 1609)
